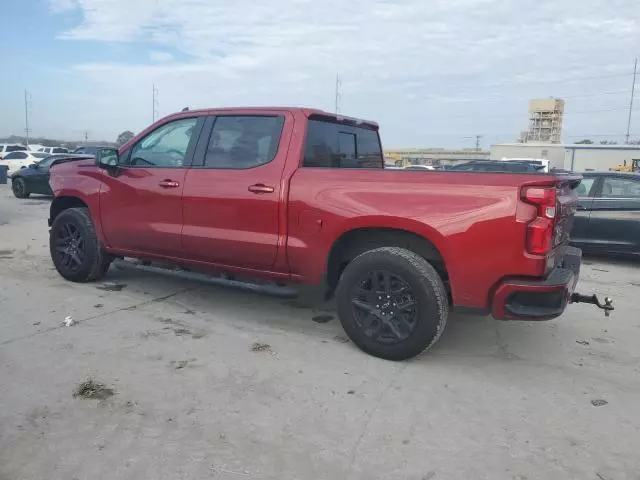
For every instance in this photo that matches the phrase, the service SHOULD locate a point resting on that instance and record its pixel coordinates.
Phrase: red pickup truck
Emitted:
(301, 195)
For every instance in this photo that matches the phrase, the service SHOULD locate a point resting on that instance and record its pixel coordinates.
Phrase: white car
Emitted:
(52, 150)
(20, 159)
(10, 147)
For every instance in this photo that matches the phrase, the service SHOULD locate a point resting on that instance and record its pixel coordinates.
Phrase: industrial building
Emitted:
(545, 121)
(433, 156)
(575, 157)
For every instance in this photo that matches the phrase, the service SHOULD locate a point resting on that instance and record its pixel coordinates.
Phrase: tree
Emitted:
(124, 137)
(586, 141)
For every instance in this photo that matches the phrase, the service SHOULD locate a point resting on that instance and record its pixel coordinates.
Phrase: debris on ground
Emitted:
(98, 305)
(260, 347)
(351, 392)
(181, 331)
(322, 318)
(582, 342)
(93, 390)
(599, 402)
(112, 286)
(69, 321)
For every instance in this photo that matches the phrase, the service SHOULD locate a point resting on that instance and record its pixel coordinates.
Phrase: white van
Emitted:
(543, 163)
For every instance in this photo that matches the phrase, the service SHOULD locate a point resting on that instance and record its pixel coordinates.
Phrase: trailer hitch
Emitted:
(607, 306)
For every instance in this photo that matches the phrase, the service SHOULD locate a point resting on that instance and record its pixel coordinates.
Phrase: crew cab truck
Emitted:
(301, 195)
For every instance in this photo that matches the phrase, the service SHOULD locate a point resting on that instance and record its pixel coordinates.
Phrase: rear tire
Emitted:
(75, 249)
(19, 187)
(392, 303)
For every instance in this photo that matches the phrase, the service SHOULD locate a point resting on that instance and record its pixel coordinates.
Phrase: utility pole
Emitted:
(26, 115)
(155, 103)
(633, 89)
(338, 95)
(478, 137)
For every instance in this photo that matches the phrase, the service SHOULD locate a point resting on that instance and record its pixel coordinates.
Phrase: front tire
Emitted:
(75, 249)
(19, 187)
(392, 303)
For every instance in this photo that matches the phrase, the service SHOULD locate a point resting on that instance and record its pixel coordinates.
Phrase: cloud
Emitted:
(420, 68)
(158, 56)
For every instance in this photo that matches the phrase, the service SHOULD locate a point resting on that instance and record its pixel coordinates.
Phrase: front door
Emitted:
(141, 204)
(585, 191)
(232, 192)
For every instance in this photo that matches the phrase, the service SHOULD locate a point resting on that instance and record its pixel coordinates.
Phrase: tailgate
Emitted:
(566, 206)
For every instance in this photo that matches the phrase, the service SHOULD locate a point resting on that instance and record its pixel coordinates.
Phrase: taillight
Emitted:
(540, 230)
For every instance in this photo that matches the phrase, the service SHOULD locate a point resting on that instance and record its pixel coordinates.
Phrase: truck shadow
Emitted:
(256, 306)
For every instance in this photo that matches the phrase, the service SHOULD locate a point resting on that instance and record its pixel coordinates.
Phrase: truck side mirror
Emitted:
(107, 158)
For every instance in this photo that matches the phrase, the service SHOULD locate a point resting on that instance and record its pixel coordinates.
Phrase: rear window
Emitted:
(14, 148)
(336, 145)
(59, 150)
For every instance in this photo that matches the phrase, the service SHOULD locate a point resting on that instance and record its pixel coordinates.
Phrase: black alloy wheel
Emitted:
(384, 307)
(19, 188)
(69, 246)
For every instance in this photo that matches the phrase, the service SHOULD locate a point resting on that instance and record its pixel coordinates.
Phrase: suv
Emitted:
(53, 150)
(301, 195)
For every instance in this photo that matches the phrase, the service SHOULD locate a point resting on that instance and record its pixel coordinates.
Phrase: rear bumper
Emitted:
(525, 299)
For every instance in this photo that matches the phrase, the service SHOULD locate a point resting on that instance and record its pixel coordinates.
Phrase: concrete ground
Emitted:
(214, 382)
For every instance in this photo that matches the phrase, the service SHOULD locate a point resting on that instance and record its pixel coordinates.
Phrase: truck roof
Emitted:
(308, 112)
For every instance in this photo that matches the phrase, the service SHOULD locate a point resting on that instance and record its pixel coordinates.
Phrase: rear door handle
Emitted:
(261, 188)
(166, 183)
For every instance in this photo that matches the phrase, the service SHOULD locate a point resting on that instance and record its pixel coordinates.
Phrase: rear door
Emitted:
(585, 191)
(141, 204)
(232, 195)
(614, 224)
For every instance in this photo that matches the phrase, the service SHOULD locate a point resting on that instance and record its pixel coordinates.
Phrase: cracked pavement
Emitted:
(216, 382)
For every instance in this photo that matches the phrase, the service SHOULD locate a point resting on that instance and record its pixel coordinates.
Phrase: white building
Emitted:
(575, 157)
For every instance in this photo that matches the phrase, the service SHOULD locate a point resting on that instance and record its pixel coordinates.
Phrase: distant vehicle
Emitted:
(10, 147)
(497, 166)
(539, 162)
(419, 167)
(35, 177)
(89, 149)
(53, 150)
(19, 159)
(608, 216)
(623, 167)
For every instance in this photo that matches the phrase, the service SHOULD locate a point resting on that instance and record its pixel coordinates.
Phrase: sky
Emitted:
(432, 73)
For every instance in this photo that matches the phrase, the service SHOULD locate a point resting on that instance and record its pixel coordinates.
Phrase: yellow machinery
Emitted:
(634, 167)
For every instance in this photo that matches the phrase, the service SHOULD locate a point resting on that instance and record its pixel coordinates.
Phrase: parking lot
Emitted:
(210, 381)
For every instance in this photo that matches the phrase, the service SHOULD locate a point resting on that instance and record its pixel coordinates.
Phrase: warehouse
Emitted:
(576, 157)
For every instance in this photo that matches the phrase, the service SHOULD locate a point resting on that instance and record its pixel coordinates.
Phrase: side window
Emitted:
(15, 156)
(164, 147)
(241, 142)
(336, 145)
(620, 188)
(585, 186)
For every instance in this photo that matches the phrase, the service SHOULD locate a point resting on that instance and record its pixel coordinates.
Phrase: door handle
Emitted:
(166, 183)
(261, 188)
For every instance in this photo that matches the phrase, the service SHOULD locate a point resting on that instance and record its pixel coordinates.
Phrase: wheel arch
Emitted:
(61, 204)
(357, 240)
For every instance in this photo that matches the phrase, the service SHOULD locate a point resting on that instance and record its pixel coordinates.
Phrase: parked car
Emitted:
(35, 177)
(10, 147)
(52, 150)
(89, 150)
(496, 166)
(241, 190)
(608, 217)
(419, 167)
(19, 159)
(541, 164)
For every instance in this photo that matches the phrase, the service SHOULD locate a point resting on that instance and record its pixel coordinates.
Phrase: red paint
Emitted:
(280, 221)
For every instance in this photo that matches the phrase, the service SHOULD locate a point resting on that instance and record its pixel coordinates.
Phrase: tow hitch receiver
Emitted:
(607, 306)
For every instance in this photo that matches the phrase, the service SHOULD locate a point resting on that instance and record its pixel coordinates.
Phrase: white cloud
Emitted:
(158, 56)
(423, 69)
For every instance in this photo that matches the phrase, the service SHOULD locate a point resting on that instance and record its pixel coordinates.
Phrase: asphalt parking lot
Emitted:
(214, 382)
